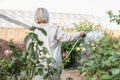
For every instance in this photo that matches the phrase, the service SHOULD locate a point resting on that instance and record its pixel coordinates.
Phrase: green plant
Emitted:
(101, 61)
(24, 65)
(114, 17)
(98, 60)
(73, 59)
(9, 65)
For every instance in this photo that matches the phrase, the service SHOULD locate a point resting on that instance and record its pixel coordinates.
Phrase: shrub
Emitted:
(24, 65)
(98, 60)
(102, 62)
(73, 59)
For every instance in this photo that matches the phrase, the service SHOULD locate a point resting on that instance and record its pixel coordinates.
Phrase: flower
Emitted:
(93, 48)
(64, 54)
(7, 52)
(77, 49)
(109, 12)
(92, 44)
(81, 45)
(83, 49)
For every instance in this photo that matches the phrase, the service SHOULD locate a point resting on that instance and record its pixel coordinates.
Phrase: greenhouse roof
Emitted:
(19, 18)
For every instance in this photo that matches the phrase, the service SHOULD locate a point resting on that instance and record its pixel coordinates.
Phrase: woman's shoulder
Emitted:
(54, 27)
(48, 27)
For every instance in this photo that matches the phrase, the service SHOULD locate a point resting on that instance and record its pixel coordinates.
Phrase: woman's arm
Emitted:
(66, 36)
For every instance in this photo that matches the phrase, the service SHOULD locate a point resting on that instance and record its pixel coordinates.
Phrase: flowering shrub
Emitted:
(9, 65)
(101, 61)
(73, 59)
(97, 60)
(114, 17)
(24, 65)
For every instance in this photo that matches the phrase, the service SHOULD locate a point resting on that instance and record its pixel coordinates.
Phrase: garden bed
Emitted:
(72, 74)
(15, 34)
(113, 33)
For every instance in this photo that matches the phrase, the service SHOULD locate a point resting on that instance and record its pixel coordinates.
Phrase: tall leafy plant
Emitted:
(26, 64)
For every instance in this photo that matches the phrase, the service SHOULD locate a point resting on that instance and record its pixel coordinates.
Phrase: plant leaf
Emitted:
(44, 50)
(32, 28)
(40, 71)
(43, 31)
(11, 62)
(115, 71)
(28, 37)
(40, 42)
(106, 76)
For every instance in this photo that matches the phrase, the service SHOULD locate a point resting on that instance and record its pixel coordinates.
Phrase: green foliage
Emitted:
(114, 17)
(97, 60)
(26, 64)
(85, 25)
(74, 57)
(103, 60)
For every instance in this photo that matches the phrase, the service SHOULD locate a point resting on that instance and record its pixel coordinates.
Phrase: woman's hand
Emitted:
(83, 34)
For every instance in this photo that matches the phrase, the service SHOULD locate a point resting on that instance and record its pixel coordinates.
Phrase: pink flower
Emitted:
(64, 54)
(7, 52)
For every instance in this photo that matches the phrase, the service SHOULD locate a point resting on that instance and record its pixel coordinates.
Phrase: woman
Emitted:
(54, 36)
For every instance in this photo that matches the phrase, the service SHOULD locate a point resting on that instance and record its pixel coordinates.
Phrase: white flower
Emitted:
(77, 49)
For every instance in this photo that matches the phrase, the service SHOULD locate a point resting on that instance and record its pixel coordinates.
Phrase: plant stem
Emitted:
(71, 49)
(11, 75)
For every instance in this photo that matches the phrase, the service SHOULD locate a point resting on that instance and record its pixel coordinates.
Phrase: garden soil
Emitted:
(74, 74)
(17, 35)
(113, 33)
